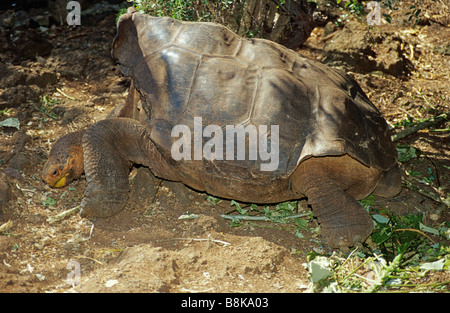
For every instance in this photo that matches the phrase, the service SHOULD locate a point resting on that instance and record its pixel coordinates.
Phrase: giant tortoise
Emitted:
(326, 140)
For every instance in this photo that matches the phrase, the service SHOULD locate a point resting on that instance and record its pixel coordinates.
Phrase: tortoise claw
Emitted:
(103, 203)
(346, 236)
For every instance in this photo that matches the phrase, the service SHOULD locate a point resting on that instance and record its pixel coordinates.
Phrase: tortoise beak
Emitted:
(62, 182)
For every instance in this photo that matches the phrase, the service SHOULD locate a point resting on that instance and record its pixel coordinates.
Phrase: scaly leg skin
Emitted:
(343, 221)
(331, 185)
(110, 147)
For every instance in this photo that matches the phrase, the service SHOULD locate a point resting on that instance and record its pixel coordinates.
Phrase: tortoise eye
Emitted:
(55, 173)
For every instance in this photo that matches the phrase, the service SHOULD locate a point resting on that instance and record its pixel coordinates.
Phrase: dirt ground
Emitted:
(56, 79)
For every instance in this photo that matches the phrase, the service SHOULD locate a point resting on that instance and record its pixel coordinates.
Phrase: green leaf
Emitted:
(428, 229)
(380, 219)
(299, 234)
(212, 200)
(10, 122)
(433, 266)
(301, 223)
(287, 207)
(319, 269)
(368, 201)
(49, 202)
(406, 153)
(238, 208)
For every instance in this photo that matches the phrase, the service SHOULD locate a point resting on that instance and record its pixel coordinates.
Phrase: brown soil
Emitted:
(63, 79)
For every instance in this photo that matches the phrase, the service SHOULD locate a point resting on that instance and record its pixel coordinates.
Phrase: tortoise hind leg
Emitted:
(332, 185)
(390, 184)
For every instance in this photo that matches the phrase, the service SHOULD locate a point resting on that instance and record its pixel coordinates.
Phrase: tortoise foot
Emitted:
(346, 231)
(348, 236)
(103, 203)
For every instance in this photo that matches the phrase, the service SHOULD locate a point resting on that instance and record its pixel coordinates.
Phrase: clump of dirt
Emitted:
(357, 49)
(197, 265)
(66, 80)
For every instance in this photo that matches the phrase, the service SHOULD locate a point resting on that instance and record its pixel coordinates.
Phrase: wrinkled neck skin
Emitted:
(127, 139)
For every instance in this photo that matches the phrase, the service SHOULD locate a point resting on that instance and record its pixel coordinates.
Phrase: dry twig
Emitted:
(62, 215)
(426, 193)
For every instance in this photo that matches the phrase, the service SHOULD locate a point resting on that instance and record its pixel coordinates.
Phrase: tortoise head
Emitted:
(65, 161)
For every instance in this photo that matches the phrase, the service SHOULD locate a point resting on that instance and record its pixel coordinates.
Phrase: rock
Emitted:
(184, 195)
(71, 115)
(23, 83)
(20, 139)
(5, 191)
(202, 225)
(69, 64)
(41, 78)
(13, 173)
(29, 44)
(443, 49)
(16, 96)
(356, 49)
(329, 28)
(18, 159)
(28, 73)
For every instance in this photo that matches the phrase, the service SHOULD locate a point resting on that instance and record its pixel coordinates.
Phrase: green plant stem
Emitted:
(67, 96)
(354, 271)
(426, 193)
(415, 287)
(413, 129)
(260, 218)
(426, 285)
(44, 112)
(416, 231)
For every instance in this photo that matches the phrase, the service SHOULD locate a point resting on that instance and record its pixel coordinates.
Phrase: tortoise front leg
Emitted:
(110, 147)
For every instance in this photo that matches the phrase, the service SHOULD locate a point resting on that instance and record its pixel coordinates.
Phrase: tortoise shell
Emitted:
(186, 70)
